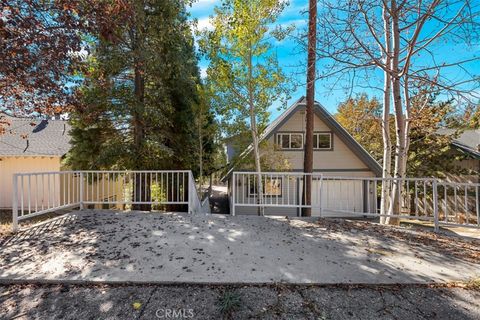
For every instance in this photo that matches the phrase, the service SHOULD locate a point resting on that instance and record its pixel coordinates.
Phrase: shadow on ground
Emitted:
(106, 246)
(219, 201)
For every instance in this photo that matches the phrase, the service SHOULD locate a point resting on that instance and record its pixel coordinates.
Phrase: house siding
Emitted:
(340, 158)
(339, 162)
(292, 191)
(11, 165)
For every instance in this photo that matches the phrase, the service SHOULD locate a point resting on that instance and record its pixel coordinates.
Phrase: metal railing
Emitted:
(280, 189)
(38, 193)
(443, 203)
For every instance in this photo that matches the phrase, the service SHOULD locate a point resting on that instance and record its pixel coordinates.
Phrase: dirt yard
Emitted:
(118, 247)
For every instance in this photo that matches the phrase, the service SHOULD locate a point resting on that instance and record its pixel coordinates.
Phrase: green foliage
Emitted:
(470, 118)
(229, 302)
(210, 151)
(361, 117)
(430, 152)
(140, 94)
(244, 70)
(271, 159)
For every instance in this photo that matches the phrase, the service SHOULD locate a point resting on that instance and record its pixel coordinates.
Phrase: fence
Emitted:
(280, 190)
(443, 203)
(43, 192)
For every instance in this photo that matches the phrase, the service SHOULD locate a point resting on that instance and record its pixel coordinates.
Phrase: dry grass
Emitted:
(464, 248)
(6, 221)
(473, 284)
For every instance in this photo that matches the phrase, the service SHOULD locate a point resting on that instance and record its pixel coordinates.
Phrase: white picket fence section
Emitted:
(38, 193)
(441, 202)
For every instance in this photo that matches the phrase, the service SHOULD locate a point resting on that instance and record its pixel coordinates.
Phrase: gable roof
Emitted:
(330, 121)
(468, 140)
(34, 137)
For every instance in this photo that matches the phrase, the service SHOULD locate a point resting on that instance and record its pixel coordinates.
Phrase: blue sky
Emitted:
(287, 52)
(292, 59)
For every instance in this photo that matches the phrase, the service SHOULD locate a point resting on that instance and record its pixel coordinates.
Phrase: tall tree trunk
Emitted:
(399, 170)
(395, 207)
(387, 150)
(308, 160)
(387, 143)
(142, 186)
(254, 131)
(406, 95)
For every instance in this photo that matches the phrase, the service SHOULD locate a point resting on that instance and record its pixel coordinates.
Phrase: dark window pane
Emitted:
(296, 142)
(324, 141)
(315, 136)
(285, 141)
(252, 187)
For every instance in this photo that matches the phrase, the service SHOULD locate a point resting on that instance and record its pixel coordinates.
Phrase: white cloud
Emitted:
(204, 23)
(203, 72)
(204, 3)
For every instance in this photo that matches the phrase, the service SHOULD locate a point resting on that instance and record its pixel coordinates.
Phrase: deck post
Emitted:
(190, 192)
(81, 190)
(15, 204)
(435, 205)
(320, 195)
(234, 183)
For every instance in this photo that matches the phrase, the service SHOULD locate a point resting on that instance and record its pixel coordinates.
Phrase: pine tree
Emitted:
(139, 93)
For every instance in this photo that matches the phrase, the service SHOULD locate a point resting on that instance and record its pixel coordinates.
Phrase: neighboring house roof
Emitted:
(34, 137)
(468, 141)
(330, 121)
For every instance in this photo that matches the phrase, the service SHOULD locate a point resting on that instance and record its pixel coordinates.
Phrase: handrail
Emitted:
(441, 202)
(37, 193)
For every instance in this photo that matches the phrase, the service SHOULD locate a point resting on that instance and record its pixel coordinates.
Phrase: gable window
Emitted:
(322, 141)
(290, 140)
(272, 187)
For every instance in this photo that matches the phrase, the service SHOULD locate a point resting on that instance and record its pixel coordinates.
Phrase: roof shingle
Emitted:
(34, 137)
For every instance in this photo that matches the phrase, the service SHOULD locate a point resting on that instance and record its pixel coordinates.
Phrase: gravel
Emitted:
(256, 302)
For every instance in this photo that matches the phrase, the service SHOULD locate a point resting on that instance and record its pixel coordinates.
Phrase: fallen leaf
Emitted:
(137, 305)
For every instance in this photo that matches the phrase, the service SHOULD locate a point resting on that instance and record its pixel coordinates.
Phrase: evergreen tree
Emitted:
(139, 94)
(430, 148)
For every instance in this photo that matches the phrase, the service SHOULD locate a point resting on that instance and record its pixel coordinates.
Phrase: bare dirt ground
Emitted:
(6, 221)
(118, 247)
(237, 302)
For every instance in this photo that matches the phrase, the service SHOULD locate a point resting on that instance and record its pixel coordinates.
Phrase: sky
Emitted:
(292, 59)
(288, 53)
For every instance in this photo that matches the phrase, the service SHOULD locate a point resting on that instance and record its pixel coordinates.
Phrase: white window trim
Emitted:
(290, 140)
(318, 134)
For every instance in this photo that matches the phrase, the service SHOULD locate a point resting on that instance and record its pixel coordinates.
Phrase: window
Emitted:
(290, 140)
(322, 141)
(272, 187)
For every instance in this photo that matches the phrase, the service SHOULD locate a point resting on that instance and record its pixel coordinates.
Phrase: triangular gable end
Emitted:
(333, 124)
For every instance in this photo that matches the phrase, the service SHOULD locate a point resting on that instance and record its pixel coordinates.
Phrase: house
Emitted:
(466, 147)
(30, 145)
(336, 154)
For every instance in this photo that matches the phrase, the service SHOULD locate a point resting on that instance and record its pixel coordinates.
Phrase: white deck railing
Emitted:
(280, 189)
(43, 192)
(443, 203)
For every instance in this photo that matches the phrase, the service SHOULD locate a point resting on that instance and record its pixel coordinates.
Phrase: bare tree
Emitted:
(405, 42)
